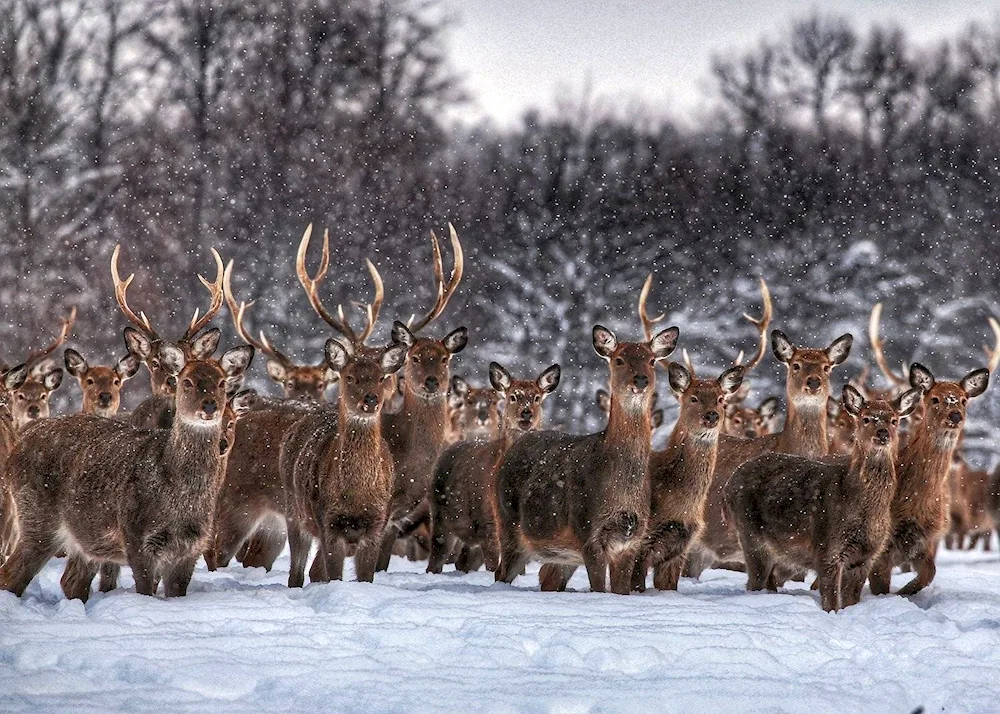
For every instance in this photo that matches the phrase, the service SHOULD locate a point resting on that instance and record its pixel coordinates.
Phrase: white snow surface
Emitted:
(242, 641)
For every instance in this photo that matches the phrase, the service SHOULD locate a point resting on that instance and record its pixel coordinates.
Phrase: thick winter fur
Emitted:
(463, 500)
(109, 492)
(830, 515)
(920, 507)
(570, 499)
(337, 468)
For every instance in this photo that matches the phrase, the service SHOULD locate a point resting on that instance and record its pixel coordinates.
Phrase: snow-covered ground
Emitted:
(414, 642)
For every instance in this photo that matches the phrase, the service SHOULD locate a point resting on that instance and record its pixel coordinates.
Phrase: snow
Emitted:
(241, 640)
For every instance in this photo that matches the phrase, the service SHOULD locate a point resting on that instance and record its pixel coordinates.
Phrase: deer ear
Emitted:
(457, 392)
(243, 402)
(768, 408)
(330, 377)
(15, 377)
(664, 343)
(39, 370)
(456, 340)
(732, 379)
(401, 334)
(127, 367)
(394, 358)
(53, 379)
(832, 408)
(236, 361)
(205, 345)
(76, 365)
(921, 377)
(853, 401)
(975, 383)
(276, 371)
(781, 346)
(138, 344)
(679, 378)
(604, 400)
(657, 418)
(605, 342)
(337, 354)
(908, 401)
(172, 358)
(499, 377)
(840, 348)
(549, 379)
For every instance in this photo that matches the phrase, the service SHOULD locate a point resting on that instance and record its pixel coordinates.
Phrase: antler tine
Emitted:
(238, 312)
(647, 322)
(373, 308)
(994, 354)
(215, 289)
(688, 364)
(762, 324)
(444, 292)
(67, 324)
(121, 287)
(876, 343)
(310, 285)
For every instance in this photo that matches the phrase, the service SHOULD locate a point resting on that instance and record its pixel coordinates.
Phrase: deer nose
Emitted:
(712, 418)
(104, 398)
(370, 401)
(641, 381)
(813, 383)
(955, 417)
(33, 412)
(882, 435)
(526, 415)
(751, 434)
(431, 384)
(210, 407)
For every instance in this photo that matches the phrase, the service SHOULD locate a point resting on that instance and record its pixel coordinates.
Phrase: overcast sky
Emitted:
(516, 54)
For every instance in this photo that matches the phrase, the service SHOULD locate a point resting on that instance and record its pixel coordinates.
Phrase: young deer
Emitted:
(571, 499)
(109, 492)
(475, 412)
(102, 386)
(830, 515)
(920, 506)
(682, 473)
(30, 401)
(335, 465)
(463, 498)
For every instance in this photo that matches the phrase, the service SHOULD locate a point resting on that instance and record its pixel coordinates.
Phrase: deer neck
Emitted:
(425, 418)
(193, 449)
(875, 471)
(628, 433)
(360, 442)
(925, 463)
(697, 453)
(805, 429)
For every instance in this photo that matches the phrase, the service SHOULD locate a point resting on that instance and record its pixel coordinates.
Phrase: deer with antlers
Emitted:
(107, 491)
(30, 400)
(336, 467)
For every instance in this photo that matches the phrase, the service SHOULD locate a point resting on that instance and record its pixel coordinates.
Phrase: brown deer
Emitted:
(969, 516)
(10, 380)
(335, 465)
(681, 474)
(570, 499)
(840, 425)
(30, 401)
(829, 515)
(101, 386)
(474, 412)
(109, 492)
(749, 423)
(463, 500)
(418, 432)
(920, 506)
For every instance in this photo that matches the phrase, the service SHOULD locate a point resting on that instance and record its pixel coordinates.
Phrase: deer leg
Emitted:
(639, 574)
(513, 556)
(177, 576)
(441, 544)
(667, 575)
(880, 577)
(332, 551)
(758, 562)
(143, 570)
(231, 536)
(77, 576)
(830, 574)
(597, 568)
(553, 577)
(852, 582)
(109, 576)
(299, 543)
(389, 536)
(621, 570)
(926, 569)
(463, 563)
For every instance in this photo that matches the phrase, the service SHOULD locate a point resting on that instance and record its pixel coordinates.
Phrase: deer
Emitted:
(474, 412)
(101, 385)
(463, 500)
(336, 466)
(584, 499)
(920, 506)
(830, 514)
(10, 381)
(968, 514)
(749, 423)
(417, 433)
(30, 400)
(142, 497)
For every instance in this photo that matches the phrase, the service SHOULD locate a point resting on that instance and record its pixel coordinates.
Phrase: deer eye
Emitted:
(737, 420)
(117, 382)
(721, 400)
(964, 401)
(652, 362)
(155, 362)
(222, 383)
(694, 400)
(935, 400)
(90, 382)
(45, 396)
(188, 383)
(827, 367)
(619, 361)
(350, 379)
(20, 397)
(796, 366)
(537, 399)
(894, 422)
(866, 420)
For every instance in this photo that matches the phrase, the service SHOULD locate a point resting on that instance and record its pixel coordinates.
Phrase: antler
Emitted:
(215, 290)
(687, 362)
(444, 292)
(648, 323)
(139, 320)
(238, 312)
(35, 357)
(762, 324)
(994, 354)
(339, 323)
(876, 343)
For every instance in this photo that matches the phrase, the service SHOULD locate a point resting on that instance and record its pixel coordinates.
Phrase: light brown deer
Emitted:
(920, 506)
(969, 516)
(831, 515)
(101, 385)
(474, 412)
(30, 401)
(335, 465)
(10, 380)
(463, 500)
(749, 423)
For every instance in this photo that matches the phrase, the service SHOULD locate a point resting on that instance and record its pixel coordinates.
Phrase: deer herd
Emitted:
(415, 461)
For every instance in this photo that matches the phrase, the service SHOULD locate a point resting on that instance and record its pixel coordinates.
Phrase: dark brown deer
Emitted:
(831, 515)
(10, 380)
(920, 506)
(335, 465)
(109, 492)
(681, 474)
(463, 502)
(30, 401)
(101, 385)
(572, 500)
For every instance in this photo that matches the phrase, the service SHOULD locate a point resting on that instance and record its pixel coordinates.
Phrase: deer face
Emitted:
(365, 375)
(202, 384)
(475, 410)
(633, 365)
(523, 398)
(30, 401)
(945, 402)
(840, 425)
(703, 401)
(877, 422)
(426, 372)
(101, 385)
(149, 352)
(809, 369)
(305, 382)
